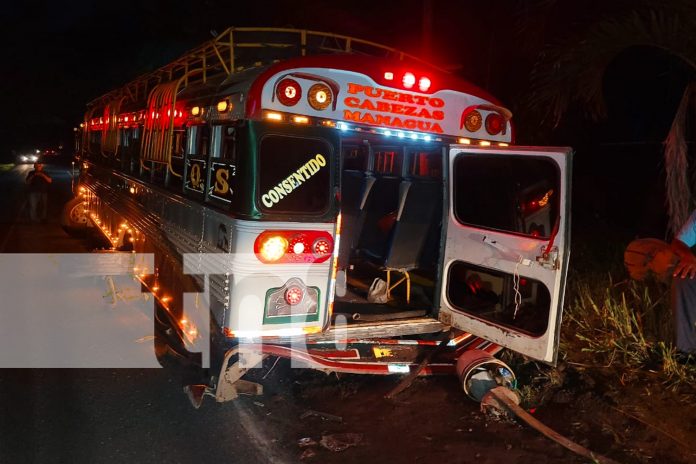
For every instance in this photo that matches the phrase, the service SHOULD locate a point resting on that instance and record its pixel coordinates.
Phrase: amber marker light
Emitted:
(271, 116)
(485, 143)
(196, 110)
(222, 106)
(273, 248)
(300, 119)
(464, 141)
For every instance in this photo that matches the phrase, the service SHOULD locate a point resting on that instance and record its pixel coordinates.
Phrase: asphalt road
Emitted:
(107, 415)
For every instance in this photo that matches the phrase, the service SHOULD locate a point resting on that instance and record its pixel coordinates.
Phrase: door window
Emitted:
(506, 193)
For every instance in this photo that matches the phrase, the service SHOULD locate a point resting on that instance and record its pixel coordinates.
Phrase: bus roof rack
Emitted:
(239, 48)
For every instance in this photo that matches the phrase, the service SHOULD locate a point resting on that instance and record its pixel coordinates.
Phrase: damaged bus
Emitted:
(357, 207)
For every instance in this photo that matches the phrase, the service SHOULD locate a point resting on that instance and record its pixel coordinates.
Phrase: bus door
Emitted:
(506, 245)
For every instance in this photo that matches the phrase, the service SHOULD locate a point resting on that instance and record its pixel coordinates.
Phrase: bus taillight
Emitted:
(319, 96)
(423, 84)
(289, 92)
(494, 123)
(293, 246)
(294, 295)
(409, 80)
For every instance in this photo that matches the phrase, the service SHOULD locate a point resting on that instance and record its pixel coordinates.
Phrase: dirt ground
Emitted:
(434, 421)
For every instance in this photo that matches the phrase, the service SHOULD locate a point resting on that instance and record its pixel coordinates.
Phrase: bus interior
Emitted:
(391, 228)
(392, 212)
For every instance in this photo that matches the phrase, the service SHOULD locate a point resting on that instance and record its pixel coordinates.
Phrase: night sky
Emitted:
(59, 55)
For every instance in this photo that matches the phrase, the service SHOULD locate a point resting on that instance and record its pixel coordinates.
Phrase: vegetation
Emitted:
(6, 167)
(626, 326)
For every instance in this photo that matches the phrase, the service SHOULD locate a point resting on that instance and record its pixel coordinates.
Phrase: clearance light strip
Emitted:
(342, 126)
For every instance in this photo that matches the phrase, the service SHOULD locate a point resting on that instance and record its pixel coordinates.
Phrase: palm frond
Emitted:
(572, 70)
(677, 165)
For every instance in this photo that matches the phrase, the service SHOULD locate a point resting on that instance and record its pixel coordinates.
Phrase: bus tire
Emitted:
(73, 218)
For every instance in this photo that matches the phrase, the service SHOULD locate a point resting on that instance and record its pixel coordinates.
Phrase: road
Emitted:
(105, 415)
(141, 415)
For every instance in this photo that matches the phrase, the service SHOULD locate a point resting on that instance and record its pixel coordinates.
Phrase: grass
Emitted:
(626, 326)
(620, 327)
(6, 167)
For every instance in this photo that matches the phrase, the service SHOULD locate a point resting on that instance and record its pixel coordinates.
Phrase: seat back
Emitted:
(383, 201)
(355, 193)
(419, 207)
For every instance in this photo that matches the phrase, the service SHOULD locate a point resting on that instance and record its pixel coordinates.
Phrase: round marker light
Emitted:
(294, 295)
(298, 248)
(273, 248)
(424, 84)
(319, 96)
(196, 110)
(289, 92)
(494, 124)
(409, 80)
(473, 121)
(321, 247)
(222, 106)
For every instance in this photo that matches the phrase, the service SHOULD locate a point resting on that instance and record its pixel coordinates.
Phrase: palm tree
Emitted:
(571, 71)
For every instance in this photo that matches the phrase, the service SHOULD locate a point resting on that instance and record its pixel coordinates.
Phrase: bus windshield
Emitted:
(294, 174)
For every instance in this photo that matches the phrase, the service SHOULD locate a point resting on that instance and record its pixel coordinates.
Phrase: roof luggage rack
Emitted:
(239, 48)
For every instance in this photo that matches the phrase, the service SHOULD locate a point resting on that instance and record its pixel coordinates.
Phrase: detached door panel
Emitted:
(507, 245)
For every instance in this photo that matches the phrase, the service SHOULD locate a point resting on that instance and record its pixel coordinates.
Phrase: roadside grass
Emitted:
(613, 327)
(6, 167)
(626, 326)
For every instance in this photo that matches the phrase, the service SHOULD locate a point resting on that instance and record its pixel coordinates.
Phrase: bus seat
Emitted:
(417, 207)
(355, 192)
(383, 201)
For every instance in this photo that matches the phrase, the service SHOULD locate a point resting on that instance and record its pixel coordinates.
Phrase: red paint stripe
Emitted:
(348, 367)
(336, 354)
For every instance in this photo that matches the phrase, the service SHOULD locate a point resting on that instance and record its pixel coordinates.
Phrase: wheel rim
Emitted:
(77, 214)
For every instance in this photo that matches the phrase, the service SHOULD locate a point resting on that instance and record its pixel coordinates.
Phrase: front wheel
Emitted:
(74, 217)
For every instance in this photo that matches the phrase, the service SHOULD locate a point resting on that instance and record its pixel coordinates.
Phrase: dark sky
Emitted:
(59, 55)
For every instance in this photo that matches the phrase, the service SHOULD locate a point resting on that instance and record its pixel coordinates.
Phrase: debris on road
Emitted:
(323, 415)
(340, 441)
(306, 442)
(308, 454)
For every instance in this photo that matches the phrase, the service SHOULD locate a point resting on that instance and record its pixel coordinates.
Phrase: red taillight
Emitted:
(294, 295)
(494, 124)
(423, 84)
(288, 92)
(322, 247)
(293, 246)
(409, 80)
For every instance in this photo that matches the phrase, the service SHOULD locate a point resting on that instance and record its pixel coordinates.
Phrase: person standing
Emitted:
(38, 182)
(684, 289)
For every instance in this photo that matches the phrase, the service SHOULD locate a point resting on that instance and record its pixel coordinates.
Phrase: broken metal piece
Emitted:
(340, 441)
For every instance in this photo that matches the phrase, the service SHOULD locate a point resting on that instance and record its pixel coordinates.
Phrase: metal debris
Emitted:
(323, 415)
(306, 442)
(340, 441)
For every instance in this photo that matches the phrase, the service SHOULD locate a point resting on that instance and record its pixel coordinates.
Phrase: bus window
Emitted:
(228, 139)
(179, 142)
(388, 160)
(201, 137)
(512, 194)
(294, 174)
(426, 163)
(355, 157)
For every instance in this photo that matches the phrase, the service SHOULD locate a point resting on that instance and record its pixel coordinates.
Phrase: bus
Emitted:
(354, 206)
